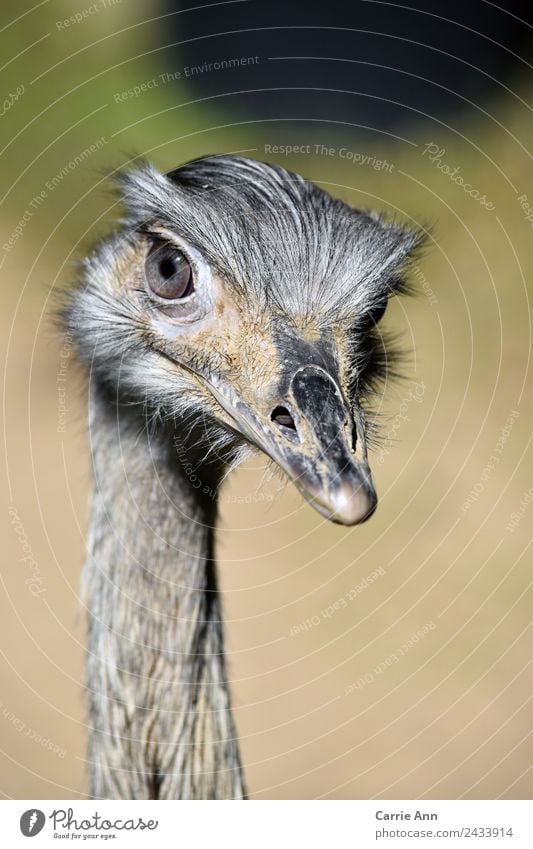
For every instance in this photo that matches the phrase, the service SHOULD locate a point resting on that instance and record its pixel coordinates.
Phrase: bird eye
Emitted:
(168, 272)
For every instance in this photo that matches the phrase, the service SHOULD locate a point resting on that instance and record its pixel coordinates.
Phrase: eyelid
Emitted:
(199, 263)
(168, 236)
(195, 255)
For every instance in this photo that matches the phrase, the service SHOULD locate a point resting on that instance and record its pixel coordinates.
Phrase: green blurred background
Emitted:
(328, 703)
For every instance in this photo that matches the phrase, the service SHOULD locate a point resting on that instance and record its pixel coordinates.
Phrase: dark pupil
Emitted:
(167, 268)
(168, 272)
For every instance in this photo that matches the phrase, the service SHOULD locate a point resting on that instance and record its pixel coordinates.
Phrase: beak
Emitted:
(322, 463)
(312, 435)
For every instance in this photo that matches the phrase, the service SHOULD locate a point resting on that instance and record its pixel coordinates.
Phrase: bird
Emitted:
(233, 310)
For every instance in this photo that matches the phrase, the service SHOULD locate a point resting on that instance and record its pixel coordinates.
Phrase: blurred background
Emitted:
(389, 660)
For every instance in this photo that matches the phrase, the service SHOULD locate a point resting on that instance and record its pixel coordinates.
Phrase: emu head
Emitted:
(242, 297)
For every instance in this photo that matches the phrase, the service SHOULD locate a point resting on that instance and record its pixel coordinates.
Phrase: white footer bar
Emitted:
(268, 824)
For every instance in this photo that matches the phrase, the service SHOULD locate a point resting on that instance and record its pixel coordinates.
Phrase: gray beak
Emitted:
(311, 434)
(321, 460)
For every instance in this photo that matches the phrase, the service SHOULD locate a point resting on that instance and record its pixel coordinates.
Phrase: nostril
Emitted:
(282, 417)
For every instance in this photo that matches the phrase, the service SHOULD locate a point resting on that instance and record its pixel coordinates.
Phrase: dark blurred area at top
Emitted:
(403, 62)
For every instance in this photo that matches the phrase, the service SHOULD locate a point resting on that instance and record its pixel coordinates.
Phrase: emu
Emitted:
(234, 310)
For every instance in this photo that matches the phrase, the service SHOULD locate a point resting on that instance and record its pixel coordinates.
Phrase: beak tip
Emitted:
(352, 506)
(347, 504)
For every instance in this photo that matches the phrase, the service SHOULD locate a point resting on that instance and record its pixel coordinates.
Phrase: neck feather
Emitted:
(160, 717)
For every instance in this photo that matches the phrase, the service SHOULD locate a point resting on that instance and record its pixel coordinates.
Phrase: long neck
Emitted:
(160, 718)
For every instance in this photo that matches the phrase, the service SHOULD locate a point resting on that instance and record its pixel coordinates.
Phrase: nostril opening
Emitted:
(282, 417)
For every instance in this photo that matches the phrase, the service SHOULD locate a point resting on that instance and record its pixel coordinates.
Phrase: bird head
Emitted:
(239, 295)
